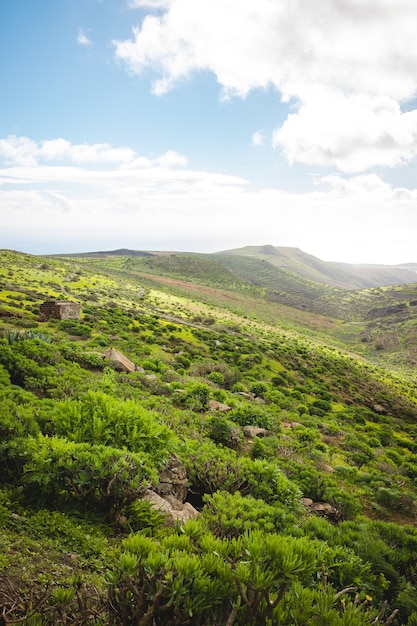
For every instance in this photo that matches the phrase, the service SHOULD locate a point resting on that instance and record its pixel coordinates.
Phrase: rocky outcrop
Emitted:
(173, 480)
(169, 493)
(173, 509)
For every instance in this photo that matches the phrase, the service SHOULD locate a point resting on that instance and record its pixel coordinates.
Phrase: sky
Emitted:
(206, 125)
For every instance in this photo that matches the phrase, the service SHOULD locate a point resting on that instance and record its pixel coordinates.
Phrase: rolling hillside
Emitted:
(311, 268)
(291, 434)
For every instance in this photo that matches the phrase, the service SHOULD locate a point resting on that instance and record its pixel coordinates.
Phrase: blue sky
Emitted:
(204, 125)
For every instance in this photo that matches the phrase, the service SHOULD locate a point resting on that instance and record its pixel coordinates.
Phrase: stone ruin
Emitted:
(60, 310)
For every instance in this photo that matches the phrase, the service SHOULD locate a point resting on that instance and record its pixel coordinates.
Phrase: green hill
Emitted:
(311, 268)
(293, 438)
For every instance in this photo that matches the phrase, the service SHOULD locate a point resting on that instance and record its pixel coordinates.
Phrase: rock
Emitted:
(173, 480)
(323, 509)
(119, 361)
(174, 510)
(213, 405)
(377, 408)
(326, 468)
(254, 431)
(245, 394)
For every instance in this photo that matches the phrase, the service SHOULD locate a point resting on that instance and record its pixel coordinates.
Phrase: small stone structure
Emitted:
(60, 310)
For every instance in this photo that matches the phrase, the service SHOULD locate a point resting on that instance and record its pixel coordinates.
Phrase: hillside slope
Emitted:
(299, 456)
(311, 268)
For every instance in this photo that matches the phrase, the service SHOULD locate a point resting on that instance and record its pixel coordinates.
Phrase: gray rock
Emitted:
(173, 480)
(174, 510)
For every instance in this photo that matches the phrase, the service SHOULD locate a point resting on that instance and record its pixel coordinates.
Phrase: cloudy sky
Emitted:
(203, 125)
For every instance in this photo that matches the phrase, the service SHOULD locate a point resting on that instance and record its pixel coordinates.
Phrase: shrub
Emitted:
(250, 415)
(217, 378)
(104, 478)
(75, 327)
(231, 515)
(99, 418)
(195, 396)
(259, 389)
(211, 469)
(224, 432)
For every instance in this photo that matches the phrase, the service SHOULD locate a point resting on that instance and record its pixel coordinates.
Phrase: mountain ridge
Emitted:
(291, 259)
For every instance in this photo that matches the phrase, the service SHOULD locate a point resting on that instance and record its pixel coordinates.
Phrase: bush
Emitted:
(99, 418)
(231, 515)
(211, 469)
(224, 432)
(195, 396)
(250, 415)
(217, 378)
(106, 479)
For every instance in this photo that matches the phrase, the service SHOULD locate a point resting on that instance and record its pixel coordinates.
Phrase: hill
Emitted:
(291, 454)
(311, 268)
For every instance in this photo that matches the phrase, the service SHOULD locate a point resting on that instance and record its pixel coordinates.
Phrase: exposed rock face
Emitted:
(169, 494)
(213, 405)
(254, 431)
(173, 480)
(174, 510)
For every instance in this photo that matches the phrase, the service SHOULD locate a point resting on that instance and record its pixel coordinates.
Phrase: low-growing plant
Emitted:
(108, 479)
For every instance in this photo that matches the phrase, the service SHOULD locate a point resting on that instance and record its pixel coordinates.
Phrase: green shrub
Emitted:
(231, 515)
(224, 432)
(195, 396)
(76, 328)
(99, 418)
(250, 580)
(217, 378)
(250, 415)
(104, 478)
(211, 469)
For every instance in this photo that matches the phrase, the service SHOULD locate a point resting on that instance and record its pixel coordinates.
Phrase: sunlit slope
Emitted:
(312, 268)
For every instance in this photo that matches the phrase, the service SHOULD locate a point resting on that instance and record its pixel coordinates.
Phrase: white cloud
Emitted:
(352, 132)
(82, 38)
(20, 150)
(25, 151)
(346, 66)
(258, 138)
(161, 203)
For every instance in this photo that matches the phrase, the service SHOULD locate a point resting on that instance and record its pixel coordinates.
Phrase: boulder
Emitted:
(323, 509)
(173, 509)
(213, 405)
(254, 431)
(119, 361)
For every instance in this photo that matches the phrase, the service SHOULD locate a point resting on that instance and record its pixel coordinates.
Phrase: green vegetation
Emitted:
(296, 432)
